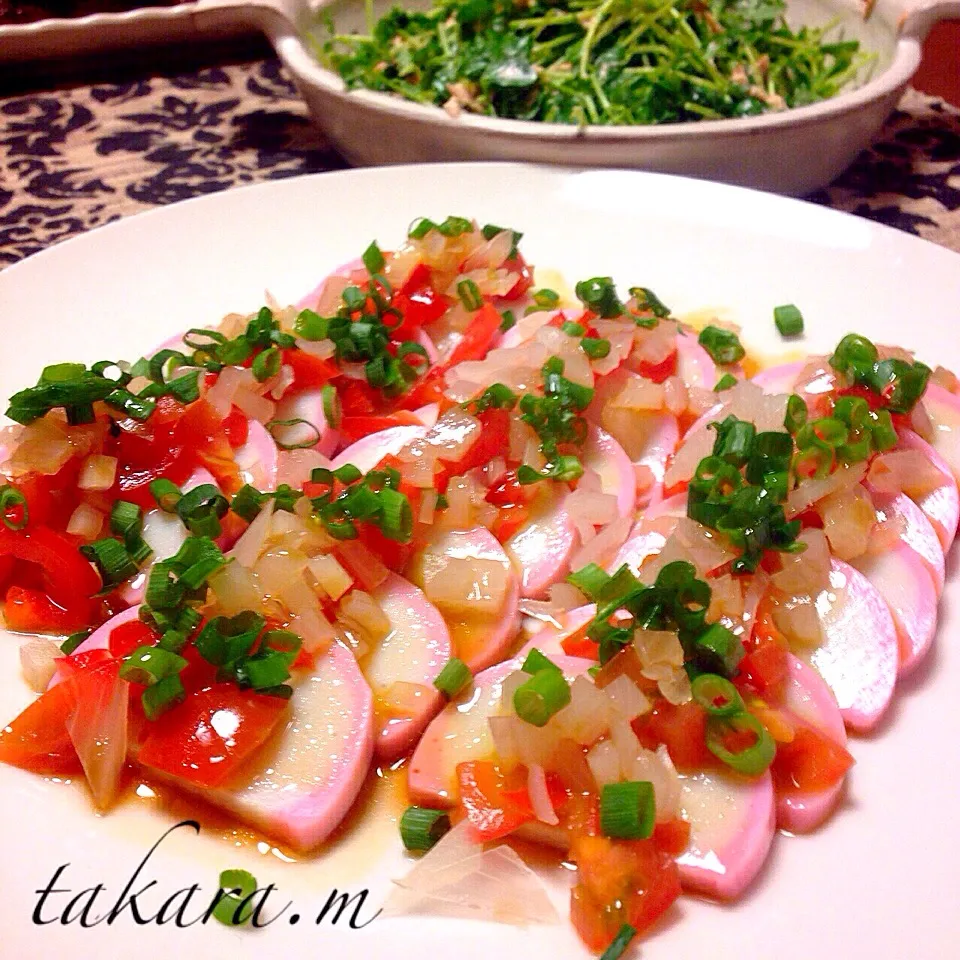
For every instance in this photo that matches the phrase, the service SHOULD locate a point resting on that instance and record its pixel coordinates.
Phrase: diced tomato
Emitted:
(419, 303)
(357, 427)
(198, 673)
(493, 441)
(125, 638)
(6, 570)
(67, 577)
(509, 492)
(357, 398)
(578, 644)
(672, 836)
(809, 762)
(524, 282)
(37, 739)
(478, 337)
(620, 882)
(495, 803)
(391, 553)
(202, 432)
(683, 729)
(32, 611)
(765, 669)
(658, 372)
(508, 521)
(205, 739)
(77, 662)
(236, 427)
(309, 371)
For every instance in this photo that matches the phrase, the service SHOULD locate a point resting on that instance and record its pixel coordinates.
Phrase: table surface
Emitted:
(75, 158)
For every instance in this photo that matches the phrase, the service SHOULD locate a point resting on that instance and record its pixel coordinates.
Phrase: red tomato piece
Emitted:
(67, 577)
(495, 803)
(32, 611)
(236, 427)
(811, 761)
(357, 398)
(683, 729)
(765, 669)
(620, 882)
(509, 492)
(479, 336)
(524, 282)
(207, 738)
(77, 662)
(357, 427)
(419, 303)
(658, 372)
(37, 738)
(672, 836)
(125, 638)
(509, 520)
(309, 371)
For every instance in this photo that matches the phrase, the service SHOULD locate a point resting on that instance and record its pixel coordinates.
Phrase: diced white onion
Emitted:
(86, 522)
(97, 473)
(38, 661)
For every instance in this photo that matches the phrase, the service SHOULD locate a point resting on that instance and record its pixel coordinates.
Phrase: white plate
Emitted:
(878, 881)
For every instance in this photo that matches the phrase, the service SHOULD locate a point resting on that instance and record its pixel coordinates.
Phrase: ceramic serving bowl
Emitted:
(793, 151)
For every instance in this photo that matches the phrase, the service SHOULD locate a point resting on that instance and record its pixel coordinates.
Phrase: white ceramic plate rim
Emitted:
(877, 882)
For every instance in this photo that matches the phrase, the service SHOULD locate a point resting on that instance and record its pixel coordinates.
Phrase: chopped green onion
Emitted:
(618, 946)
(541, 697)
(788, 319)
(161, 696)
(628, 810)
(224, 640)
(74, 641)
(882, 430)
(238, 886)
(421, 827)
(311, 326)
(546, 298)
(455, 226)
(647, 300)
(752, 760)
(469, 294)
(853, 411)
(266, 364)
(396, 521)
(126, 520)
(595, 347)
(497, 395)
(796, 415)
(719, 647)
(509, 320)
(727, 381)
(590, 580)
(186, 388)
(112, 560)
(164, 591)
(149, 664)
(14, 511)
(295, 421)
(723, 346)
(421, 227)
(572, 329)
(717, 695)
(453, 678)
(373, 259)
(332, 408)
(734, 441)
(166, 493)
(600, 295)
(247, 502)
(536, 661)
(201, 510)
(138, 408)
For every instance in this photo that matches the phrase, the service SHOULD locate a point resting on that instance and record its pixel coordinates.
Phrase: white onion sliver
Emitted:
(539, 796)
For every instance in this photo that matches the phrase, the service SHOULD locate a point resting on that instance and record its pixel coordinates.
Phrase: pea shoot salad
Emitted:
(598, 587)
(596, 61)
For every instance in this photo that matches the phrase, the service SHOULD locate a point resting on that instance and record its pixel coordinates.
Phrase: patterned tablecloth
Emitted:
(76, 158)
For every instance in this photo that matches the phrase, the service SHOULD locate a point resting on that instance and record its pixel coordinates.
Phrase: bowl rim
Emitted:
(294, 51)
